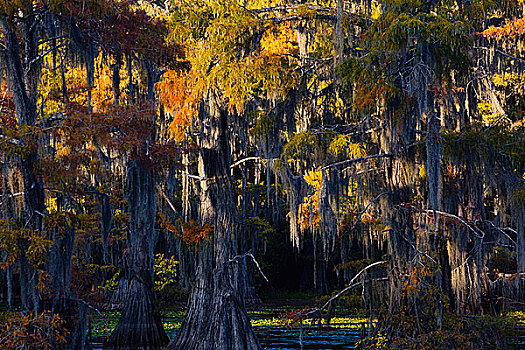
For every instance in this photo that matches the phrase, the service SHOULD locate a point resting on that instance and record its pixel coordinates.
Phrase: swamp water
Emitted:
(342, 333)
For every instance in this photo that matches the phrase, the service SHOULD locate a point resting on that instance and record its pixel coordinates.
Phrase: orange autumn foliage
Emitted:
(178, 96)
(32, 331)
(508, 31)
(190, 232)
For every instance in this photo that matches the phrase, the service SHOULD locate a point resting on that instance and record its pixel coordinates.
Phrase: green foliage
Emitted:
(111, 284)
(264, 125)
(342, 145)
(301, 146)
(165, 271)
(406, 24)
(323, 45)
(259, 225)
(350, 303)
(376, 341)
(103, 325)
(519, 194)
(488, 143)
(502, 260)
(516, 317)
(421, 42)
(354, 266)
(371, 84)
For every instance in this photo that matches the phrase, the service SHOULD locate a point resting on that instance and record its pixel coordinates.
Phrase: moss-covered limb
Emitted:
(500, 141)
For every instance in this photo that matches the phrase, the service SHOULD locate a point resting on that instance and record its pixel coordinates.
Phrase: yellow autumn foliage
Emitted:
(309, 209)
(279, 40)
(342, 145)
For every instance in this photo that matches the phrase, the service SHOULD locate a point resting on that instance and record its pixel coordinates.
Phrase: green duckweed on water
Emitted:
(102, 326)
(516, 318)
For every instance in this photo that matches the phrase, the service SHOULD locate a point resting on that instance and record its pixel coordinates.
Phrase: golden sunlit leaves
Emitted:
(314, 179)
(279, 40)
(177, 93)
(417, 275)
(228, 49)
(508, 31)
(7, 107)
(165, 271)
(35, 244)
(370, 85)
(309, 210)
(342, 145)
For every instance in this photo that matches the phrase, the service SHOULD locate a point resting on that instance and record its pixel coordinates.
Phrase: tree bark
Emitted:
(22, 85)
(217, 318)
(139, 326)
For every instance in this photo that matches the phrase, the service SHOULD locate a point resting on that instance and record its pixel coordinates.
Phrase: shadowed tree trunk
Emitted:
(139, 327)
(22, 83)
(217, 318)
(23, 68)
(399, 178)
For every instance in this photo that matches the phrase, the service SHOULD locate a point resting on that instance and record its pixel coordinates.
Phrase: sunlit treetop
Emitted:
(409, 42)
(231, 49)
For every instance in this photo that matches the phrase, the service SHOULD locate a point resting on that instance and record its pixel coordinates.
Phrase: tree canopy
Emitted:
(148, 147)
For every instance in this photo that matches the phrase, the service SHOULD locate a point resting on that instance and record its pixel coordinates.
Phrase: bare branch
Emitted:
(477, 232)
(18, 194)
(501, 53)
(5, 139)
(321, 12)
(194, 177)
(501, 230)
(166, 198)
(354, 160)
(87, 304)
(366, 208)
(419, 252)
(245, 160)
(51, 39)
(42, 55)
(250, 255)
(300, 18)
(351, 283)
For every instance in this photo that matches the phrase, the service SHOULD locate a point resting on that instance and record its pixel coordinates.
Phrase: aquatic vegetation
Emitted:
(102, 326)
(516, 318)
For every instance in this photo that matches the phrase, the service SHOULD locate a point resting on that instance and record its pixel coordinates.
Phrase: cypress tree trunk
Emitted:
(520, 249)
(399, 177)
(217, 318)
(139, 327)
(22, 82)
(466, 277)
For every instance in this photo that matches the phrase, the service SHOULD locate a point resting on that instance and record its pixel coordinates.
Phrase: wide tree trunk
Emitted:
(400, 174)
(139, 326)
(217, 318)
